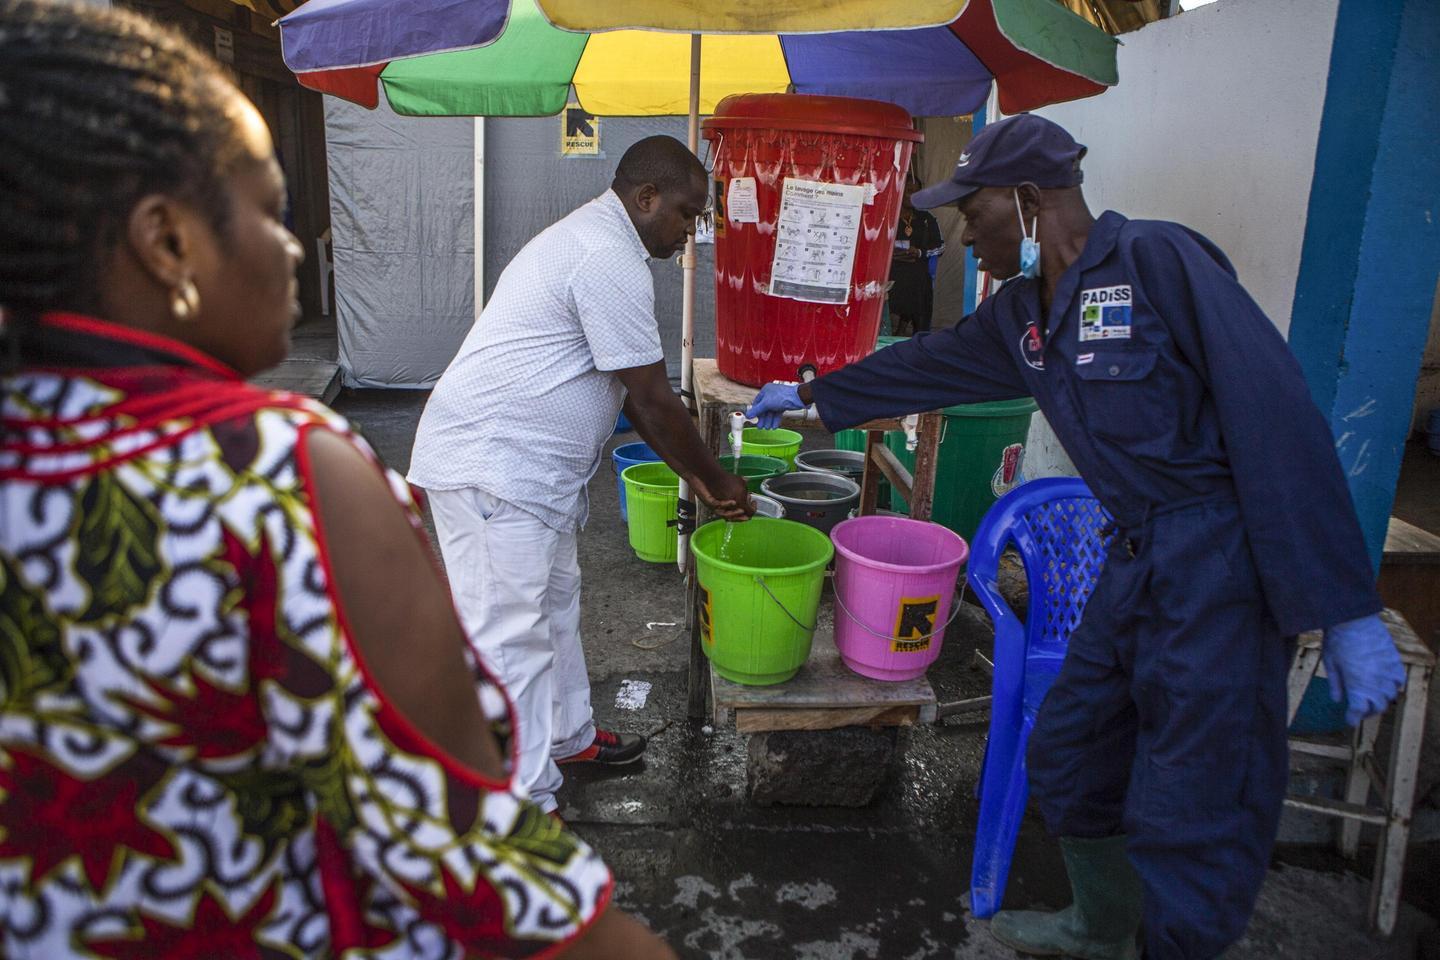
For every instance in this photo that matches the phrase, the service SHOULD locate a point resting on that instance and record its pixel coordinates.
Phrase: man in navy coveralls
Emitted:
(1159, 756)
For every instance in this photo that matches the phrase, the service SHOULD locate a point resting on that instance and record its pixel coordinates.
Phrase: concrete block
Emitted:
(819, 768)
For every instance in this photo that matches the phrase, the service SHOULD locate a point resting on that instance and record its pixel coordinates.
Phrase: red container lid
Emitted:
(809, 112)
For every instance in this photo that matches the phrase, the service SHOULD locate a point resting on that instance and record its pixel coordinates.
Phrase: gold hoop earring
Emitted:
(185, 301)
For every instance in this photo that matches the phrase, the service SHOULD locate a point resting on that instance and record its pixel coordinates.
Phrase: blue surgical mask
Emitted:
(1029, 245)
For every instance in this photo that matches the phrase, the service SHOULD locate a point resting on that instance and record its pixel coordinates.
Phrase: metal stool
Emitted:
(1394, 784)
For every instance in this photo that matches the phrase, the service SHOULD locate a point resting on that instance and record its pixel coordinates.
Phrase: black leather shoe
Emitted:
(612, 749)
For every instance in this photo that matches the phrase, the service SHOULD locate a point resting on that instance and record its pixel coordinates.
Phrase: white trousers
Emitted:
(516, 583)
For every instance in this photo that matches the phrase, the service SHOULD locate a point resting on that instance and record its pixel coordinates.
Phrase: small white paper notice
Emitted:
(815, 241)
(632, 694)
(741, 203)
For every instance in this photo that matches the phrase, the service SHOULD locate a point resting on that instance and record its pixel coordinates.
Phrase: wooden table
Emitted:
(825, 694)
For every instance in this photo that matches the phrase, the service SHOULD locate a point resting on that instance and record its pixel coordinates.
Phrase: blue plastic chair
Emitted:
(1059, 528)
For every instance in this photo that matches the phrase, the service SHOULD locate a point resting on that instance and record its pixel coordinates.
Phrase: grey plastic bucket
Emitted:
(768, 506)
(849, 464)
(819, 500)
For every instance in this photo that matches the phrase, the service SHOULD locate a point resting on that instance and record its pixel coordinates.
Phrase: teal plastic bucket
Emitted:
(759, 596)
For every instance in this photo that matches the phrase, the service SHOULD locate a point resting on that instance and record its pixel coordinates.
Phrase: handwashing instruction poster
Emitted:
(815, 241)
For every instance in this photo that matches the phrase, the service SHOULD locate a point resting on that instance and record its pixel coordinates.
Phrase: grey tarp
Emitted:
(401, 195)
(401, 209)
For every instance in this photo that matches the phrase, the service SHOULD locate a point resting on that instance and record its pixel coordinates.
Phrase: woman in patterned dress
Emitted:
(237, 718)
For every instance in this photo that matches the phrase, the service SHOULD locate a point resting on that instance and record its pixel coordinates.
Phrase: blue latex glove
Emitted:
(772, 401)
(1363, 666)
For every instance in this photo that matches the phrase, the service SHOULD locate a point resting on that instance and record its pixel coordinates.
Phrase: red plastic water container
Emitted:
(765, 333)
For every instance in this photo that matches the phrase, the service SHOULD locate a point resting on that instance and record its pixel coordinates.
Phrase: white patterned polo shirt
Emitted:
(525, 408)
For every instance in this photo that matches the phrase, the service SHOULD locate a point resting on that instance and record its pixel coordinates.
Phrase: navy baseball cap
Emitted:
(1019, 149)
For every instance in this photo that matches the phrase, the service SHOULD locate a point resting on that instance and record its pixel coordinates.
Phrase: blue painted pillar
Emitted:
(972, 285)
(1371, 252)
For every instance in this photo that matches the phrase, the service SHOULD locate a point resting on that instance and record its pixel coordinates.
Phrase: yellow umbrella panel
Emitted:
(635, 73)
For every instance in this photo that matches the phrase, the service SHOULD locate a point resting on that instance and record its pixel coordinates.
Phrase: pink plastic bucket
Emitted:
(894, 586)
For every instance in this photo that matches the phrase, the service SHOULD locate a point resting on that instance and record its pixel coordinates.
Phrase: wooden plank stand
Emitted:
(827, 736)
(1392, 784)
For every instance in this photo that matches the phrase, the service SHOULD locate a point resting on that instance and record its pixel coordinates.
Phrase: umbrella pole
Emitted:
(687, 310)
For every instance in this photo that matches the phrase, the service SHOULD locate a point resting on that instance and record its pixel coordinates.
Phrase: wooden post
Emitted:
(870, 481)
(927, 456)
(697, 678)
(713, 432)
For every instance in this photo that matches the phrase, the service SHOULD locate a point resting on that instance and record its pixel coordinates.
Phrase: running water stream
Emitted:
(737, 444)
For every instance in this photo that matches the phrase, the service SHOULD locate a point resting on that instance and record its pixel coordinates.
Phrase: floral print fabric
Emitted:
(192, 759)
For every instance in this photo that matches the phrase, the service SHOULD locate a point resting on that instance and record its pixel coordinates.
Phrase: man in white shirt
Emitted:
(515, 429)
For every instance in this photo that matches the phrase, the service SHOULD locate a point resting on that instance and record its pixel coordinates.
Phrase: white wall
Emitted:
(1214, 124)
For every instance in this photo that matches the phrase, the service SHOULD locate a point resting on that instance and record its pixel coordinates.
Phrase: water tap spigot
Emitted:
(737, 431)
(911, 425)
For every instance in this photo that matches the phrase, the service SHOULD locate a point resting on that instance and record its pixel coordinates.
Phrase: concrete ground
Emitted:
(720, 877)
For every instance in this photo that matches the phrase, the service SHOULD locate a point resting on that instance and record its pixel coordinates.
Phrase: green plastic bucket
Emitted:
(982, 450)
(759, 596)
(780, 444)
(755, 469)
(651, 493)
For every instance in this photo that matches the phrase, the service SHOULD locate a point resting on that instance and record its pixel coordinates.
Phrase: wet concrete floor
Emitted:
(721, 877)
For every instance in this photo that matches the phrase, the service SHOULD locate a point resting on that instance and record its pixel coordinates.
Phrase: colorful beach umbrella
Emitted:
(521, 58)
(508, 57)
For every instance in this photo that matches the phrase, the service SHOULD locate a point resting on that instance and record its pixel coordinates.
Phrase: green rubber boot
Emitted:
(1102, 922)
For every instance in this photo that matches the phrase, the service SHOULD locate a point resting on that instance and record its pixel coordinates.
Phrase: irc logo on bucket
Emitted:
(707, 626)
(914, 624)
(1007, 476)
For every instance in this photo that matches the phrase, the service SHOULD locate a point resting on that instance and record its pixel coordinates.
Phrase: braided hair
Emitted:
(98, 109)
